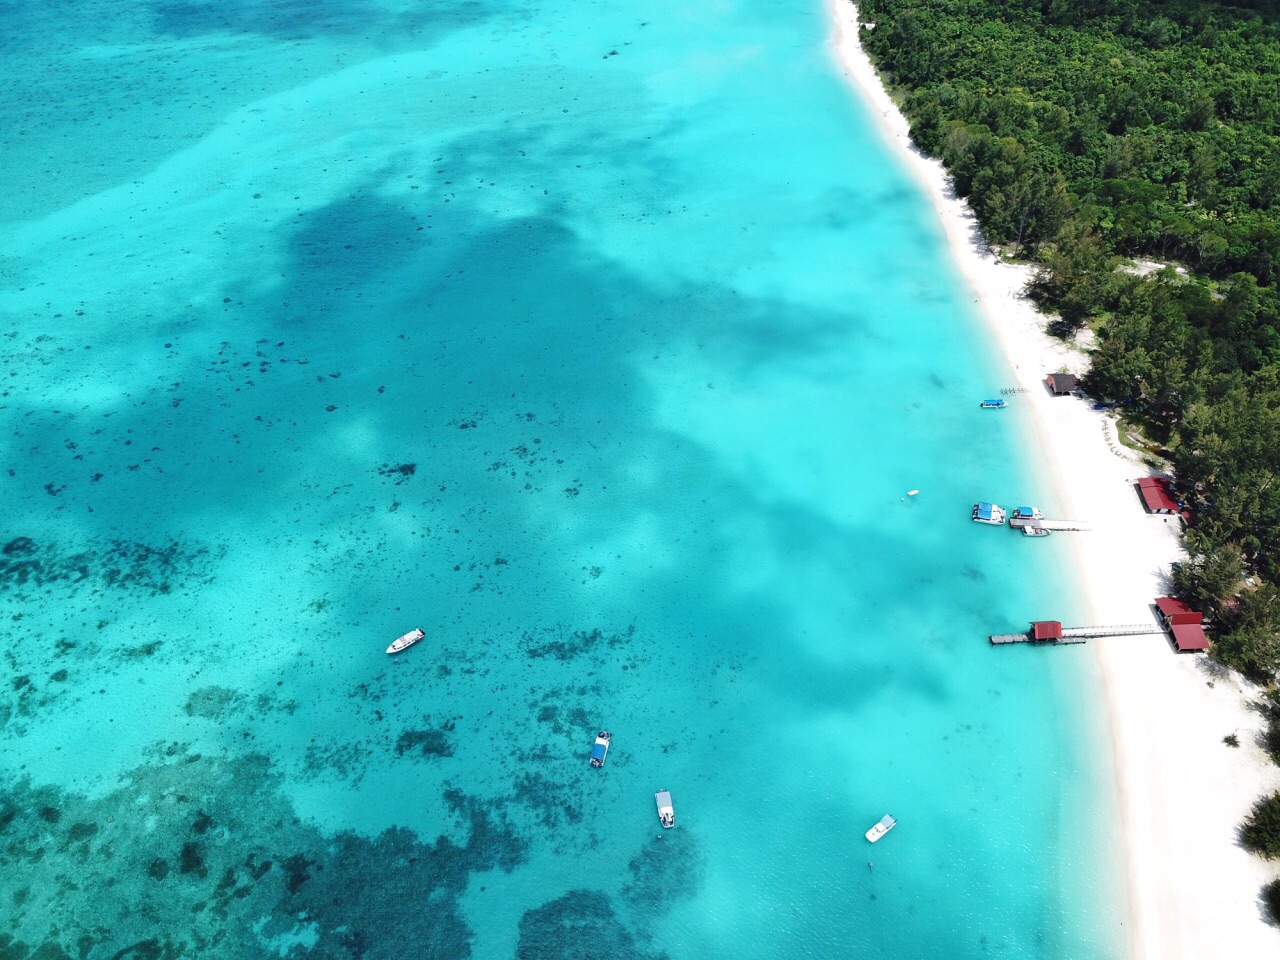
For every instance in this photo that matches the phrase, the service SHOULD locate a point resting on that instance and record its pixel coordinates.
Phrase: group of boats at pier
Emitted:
(1029, 520)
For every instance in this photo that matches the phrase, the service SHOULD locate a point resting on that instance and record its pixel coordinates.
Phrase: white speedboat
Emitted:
(886, 824)
(666, 812)
(408, 640)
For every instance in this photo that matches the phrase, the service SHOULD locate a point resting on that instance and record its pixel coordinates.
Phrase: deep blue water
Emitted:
(603, 342)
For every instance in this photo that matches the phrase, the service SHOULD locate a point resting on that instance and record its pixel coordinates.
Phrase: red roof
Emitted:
(1157, 496)
(1046, 630)
(1168, 606)
(1183, 623)
(1061, 383)
(1189, 636)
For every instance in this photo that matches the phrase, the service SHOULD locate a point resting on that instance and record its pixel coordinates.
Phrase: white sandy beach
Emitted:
(1182, 793)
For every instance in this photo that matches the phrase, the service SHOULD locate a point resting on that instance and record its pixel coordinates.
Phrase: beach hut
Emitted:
(1061, 384)
(1157, 495)
(1185, 625)
(1046, 630)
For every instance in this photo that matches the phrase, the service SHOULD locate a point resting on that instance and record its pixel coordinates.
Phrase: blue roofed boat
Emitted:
(994, 404)
(601, 749)
(886, 824)
(1027, 513)
(991, 513)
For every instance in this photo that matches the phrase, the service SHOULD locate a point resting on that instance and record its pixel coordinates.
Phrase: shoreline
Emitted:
(1191, 890)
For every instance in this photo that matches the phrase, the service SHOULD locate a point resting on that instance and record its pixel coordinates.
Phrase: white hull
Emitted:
(880, 829)
(600, 750)
(666, 812)
(408, 640)
(996, 517)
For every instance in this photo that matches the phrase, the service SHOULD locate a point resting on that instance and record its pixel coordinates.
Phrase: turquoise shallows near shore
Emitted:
(601, 341)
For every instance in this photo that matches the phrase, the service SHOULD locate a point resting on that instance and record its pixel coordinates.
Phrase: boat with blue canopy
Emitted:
(886, 824)
(994, 404)
(985, 512)
(601, 748)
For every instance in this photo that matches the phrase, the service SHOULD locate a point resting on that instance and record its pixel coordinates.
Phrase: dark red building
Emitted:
(1157, 495)
(1184, 625)
(1046, 630)
(1061, 384)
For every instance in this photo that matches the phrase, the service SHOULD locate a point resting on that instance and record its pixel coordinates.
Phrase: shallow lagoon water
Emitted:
(602, 343)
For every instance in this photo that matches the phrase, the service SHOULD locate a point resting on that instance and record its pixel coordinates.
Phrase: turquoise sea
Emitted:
(602, 341)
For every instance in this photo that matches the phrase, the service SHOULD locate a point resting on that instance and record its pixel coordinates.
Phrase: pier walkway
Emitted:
(1027, 638)
(1051, 631)
(1050, 524)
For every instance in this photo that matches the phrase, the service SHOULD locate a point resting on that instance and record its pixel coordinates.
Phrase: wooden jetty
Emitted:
(1052, 631)
(1044, 524)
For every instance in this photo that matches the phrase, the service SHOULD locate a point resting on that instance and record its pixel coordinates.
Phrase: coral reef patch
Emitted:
(665, 871)
(577, 644)
(200, 856)
(581, 925)
(430, 743)
(26, 566)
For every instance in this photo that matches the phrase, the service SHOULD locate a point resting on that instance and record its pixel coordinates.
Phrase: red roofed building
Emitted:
(1046, 630)
(1061, 384)
(1183, 624)
(1157, 495)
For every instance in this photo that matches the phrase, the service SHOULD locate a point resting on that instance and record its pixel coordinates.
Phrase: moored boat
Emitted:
(994, 404)
(886, 824)
(1025, 515)
(991, 513)
(408, 640)
(666, 812)
(601, 748)
(1029, 531)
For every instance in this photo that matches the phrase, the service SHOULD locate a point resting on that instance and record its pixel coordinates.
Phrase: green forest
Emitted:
(1086, 134)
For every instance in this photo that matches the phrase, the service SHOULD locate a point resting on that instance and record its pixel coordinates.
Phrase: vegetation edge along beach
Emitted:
(1142, 220)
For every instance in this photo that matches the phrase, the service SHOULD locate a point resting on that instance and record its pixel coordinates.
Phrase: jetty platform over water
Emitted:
(1044, 524)
(1052, 631)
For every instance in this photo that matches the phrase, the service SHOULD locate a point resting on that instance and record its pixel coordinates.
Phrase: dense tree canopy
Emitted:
(1086, 131)
(1160, 120)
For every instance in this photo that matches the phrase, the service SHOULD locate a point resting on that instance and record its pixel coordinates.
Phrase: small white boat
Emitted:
(1035, 532)
(601, 749)
(886, 824)
(408, 640)
(666, 812)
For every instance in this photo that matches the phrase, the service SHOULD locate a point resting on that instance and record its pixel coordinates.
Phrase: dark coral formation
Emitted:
(398, 473)
(581, 925)
(577, 644)
(119, 565)
(198, 850)
(431, 742)
(553, 802)
(664, 871)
